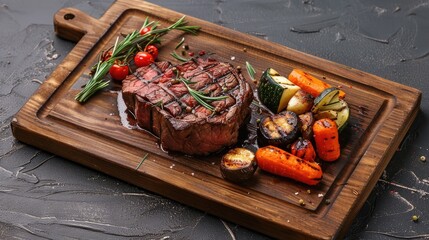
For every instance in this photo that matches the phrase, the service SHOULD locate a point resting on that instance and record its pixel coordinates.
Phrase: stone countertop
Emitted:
(43, 196)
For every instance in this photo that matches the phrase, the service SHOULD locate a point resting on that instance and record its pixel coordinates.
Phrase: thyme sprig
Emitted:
(250, 70)
(127, 47)
(178, 57)
(180, 43)
(200, 96)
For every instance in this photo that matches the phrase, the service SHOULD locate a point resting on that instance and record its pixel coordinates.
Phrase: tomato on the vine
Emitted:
(142, 59)
(119, 72)
(145, 30)
(153, 50)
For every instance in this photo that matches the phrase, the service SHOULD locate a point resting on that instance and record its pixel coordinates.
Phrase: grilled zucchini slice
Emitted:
(275, 91)
(329, 105)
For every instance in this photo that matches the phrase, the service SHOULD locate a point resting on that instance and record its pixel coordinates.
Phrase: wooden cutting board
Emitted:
(93, 134)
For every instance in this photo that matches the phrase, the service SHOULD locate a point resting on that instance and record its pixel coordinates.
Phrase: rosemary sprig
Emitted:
(97, 82)
(142, 160)
(180, 43)
(200, 97)
(250, 70)
(127, 47)
(178, 57)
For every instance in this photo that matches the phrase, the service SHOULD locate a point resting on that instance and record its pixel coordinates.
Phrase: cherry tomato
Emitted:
(142, 59)
(145, 30)
(153, 50)
(119, 72)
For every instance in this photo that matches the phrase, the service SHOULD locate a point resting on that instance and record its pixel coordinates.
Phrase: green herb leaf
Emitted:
(180, 43)
(141, 162)
(178, 57)
(250, 70)
(200, 97)
(124, 49)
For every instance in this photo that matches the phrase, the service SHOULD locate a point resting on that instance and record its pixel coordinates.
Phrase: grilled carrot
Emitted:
(309, 83)
(303, 148)
(282, 163)
(326, 138)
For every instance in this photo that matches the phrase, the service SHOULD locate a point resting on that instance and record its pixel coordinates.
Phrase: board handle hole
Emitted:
(69, 16)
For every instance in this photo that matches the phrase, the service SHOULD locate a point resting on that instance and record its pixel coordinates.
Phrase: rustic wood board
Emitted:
(92, 134)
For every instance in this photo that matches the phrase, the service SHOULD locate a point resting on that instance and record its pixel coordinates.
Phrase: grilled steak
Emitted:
(159, 98)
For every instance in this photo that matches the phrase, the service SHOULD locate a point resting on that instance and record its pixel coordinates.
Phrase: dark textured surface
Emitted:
(47, 197)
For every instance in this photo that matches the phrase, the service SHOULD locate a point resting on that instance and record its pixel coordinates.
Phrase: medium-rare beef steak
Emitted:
(158, 97)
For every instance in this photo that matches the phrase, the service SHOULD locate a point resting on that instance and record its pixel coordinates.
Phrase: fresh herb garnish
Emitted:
(141, 161)
(199, 96)
(180, 43)
(250, 70)
(127, 47)
(178, 57)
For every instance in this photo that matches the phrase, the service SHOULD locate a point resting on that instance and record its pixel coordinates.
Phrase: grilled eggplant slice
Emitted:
(275, 91)
(279, 130)
(238, 165)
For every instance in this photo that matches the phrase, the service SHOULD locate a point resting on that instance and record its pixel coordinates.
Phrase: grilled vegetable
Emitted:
(326, 138)
(300, 103)
(282, 163)
(275, 91)
(329, 105)
(306, 128)
(238, 165)
(309, 83)
(303, 148)
(279, 129)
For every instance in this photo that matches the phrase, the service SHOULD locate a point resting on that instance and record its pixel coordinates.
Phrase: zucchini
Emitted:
(327, 96)
(275, 91)
(343, 118)
(238, 165)
(329, 105)
(279, 129)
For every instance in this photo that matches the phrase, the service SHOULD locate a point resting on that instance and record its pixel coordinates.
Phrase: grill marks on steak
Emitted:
(163, 105)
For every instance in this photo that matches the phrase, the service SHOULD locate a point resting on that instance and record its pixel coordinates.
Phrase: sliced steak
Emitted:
(162, 104)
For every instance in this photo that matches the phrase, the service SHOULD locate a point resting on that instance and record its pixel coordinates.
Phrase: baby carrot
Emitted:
(309, 83)
(326, 138)
(279, 162)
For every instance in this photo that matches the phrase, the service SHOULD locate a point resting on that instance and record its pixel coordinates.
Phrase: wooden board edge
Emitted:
(353, 185)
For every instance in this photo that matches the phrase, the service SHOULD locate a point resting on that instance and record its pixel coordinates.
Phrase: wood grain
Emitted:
(92, 134)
